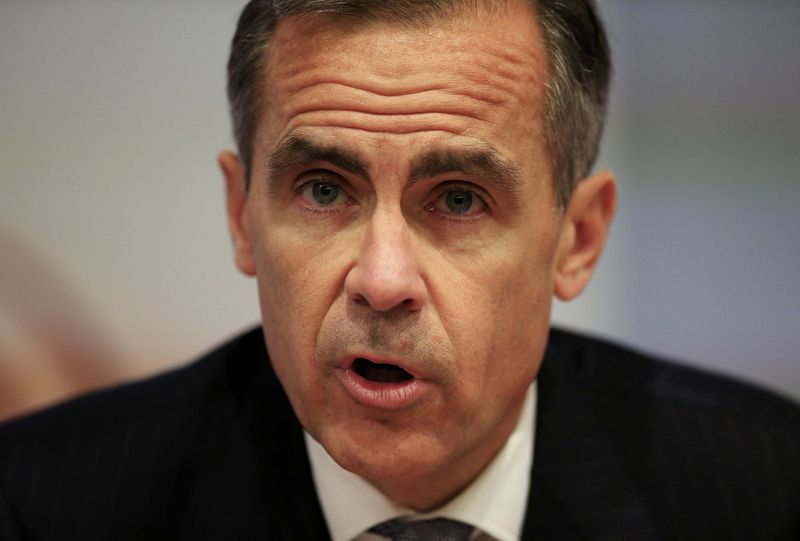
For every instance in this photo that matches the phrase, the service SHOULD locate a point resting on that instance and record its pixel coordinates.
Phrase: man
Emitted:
(411, 189)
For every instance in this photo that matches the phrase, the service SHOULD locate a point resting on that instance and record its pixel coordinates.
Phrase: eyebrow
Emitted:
(484, 164)
(297, 151)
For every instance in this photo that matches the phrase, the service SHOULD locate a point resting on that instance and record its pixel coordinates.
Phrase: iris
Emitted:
(325, 193)
(458, 202)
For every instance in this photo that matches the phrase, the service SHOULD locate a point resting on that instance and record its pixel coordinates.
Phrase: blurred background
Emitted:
(114, 256)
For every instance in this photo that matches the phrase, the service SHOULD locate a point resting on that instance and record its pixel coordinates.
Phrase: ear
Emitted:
(584, 230)
(236, 202)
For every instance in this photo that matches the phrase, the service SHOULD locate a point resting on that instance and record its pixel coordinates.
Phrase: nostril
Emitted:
(383, 289)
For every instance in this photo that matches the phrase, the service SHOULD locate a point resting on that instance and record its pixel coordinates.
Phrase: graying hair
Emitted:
(579, 68)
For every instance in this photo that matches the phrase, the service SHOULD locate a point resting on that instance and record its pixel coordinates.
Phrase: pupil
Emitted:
(325, 193)
(459, 202)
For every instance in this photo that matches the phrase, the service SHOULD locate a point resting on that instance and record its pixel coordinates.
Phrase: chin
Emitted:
(380, 456)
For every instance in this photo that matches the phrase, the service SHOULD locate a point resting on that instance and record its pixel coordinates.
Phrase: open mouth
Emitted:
(380, 373)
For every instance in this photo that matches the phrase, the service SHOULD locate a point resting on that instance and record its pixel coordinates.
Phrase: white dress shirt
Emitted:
(495, 502)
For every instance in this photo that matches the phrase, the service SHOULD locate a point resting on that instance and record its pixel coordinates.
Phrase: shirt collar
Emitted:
(494, 502)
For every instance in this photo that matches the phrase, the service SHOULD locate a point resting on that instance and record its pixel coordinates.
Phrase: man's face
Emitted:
(402, 213)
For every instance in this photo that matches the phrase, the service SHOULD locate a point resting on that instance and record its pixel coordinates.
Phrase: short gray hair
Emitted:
(579, 69)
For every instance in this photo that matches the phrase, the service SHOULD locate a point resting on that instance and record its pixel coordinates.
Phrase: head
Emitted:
(411, 191)
(579, 69)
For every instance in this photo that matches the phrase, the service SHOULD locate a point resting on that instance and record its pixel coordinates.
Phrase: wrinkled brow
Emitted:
(483, 164)
(297, 151)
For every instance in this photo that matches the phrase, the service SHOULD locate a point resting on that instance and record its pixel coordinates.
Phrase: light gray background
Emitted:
(111, 115)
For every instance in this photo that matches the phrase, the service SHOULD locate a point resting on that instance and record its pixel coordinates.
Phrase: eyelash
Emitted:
(441, 191)
(299, 187)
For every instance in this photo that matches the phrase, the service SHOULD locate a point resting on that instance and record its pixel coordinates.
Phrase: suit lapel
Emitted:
(580, 486)
(301, 516)
(291, 509)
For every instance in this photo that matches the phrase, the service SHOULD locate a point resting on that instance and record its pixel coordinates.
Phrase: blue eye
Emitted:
(457, 201)
(320, 193)
(325, 193)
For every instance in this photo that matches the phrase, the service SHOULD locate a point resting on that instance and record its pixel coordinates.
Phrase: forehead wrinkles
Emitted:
(458, 70)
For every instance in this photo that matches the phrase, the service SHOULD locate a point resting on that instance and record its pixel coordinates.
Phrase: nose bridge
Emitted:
(386, 272)
(389, 232)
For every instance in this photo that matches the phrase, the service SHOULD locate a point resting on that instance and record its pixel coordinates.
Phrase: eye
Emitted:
(324, 193)
(458, 202)
(319, 192)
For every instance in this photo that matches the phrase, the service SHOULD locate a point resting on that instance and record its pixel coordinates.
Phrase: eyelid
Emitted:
(321, 176)
(318, 175)
(455, 218)
(465, 186)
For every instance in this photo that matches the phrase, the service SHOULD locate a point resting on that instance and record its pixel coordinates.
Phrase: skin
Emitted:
(388, 270)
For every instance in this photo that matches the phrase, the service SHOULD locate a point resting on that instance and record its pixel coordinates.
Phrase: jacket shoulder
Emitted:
(707, 456)
(196, 453)
(607, 367)
(219, 370)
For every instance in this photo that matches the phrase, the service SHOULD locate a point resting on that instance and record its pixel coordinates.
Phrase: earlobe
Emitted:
(236, 203)
(587, 220)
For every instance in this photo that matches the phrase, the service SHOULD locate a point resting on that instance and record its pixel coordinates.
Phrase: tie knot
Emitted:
(436, 529)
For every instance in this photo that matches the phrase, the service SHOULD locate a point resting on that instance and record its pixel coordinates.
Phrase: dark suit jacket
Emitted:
(626, 448)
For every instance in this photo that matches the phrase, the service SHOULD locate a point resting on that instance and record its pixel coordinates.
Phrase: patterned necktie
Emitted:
(437, 529)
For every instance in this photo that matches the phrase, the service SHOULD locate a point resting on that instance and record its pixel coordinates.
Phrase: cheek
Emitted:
(298, 282)
(497, 309)
(299, 269)
(299, 279)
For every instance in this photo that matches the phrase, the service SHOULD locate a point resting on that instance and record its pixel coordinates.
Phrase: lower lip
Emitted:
(385, 396)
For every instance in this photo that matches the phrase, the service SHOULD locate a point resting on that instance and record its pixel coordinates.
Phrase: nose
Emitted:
(386, 274)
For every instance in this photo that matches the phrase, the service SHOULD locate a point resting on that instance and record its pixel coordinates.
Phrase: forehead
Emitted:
(479, 75)
(507, 29)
